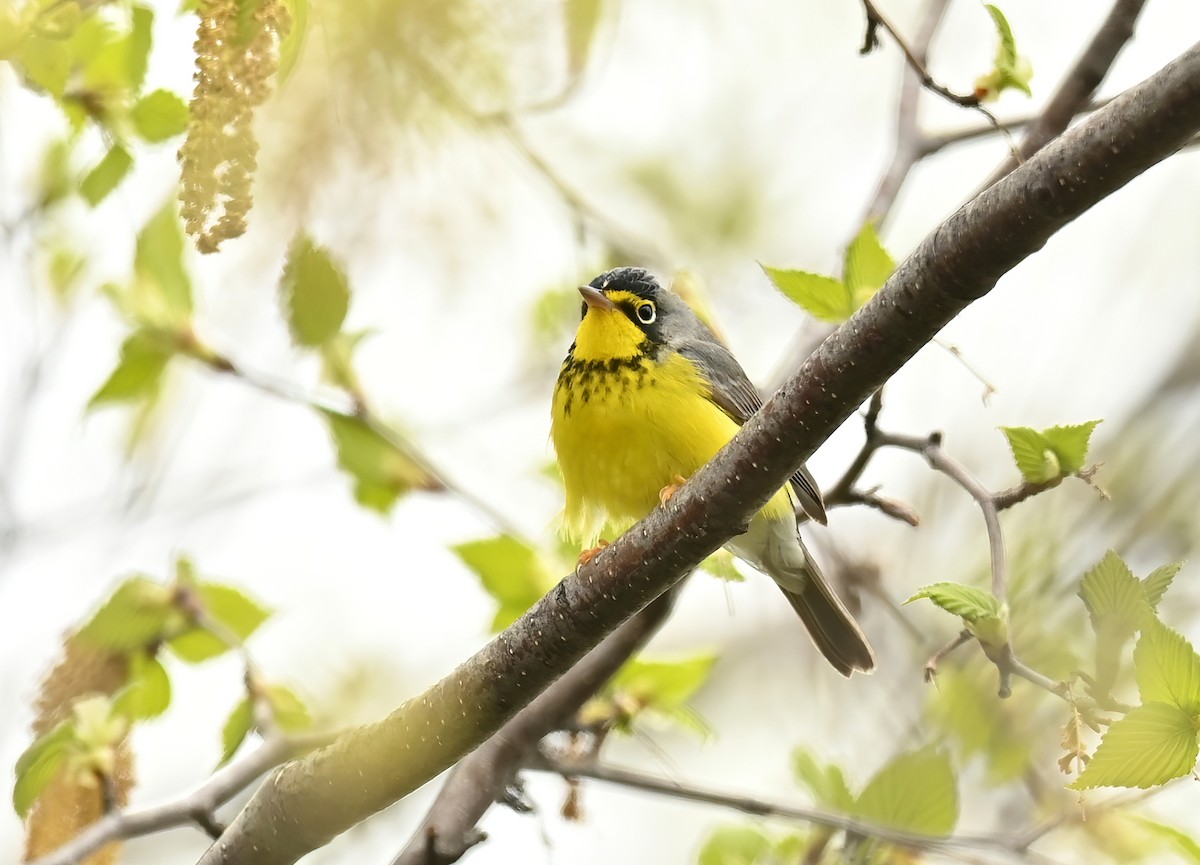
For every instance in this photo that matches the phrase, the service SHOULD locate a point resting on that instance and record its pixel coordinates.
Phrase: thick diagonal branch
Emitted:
(480, 778)
(306, 803)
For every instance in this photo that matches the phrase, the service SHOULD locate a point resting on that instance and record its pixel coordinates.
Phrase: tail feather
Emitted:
(774, 547)
(832, 627)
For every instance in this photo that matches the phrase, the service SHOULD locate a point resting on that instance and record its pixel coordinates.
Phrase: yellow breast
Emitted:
(624, 428)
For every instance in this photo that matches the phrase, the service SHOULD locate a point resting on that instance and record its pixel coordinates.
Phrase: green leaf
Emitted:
(1167, 668)
(147, 694)
(39, 763)
(915, 792)
(1151, 745)
(735, 845)
(721, 565)
(45, 63)
(822, 297)
(825, 781)
(1035, 458)
(138, 374)
(582, 21)
(966, 601)
(1184, 844)
(664, 682)
(289, 710)
(1070, 444)
(103, 179)
(159, 116)
(1155, 584)
(237, 727)
(231, 607)
(512, 572)
(133, 618)
(1114, 597)
(868, 266)
(381, 471)
(983, 613)
(119, 64)
(315, 293)
(1010, 70)
(239, 614)
(162, 290)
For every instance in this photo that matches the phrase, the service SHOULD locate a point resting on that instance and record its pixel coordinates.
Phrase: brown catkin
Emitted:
(237, 54)
(68, 805)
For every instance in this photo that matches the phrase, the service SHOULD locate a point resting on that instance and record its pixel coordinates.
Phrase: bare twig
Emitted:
(875, 20)
(480, 778)
(930, 671)
(909, 140)
(1079, 84)
(953, 846)
(197, 808)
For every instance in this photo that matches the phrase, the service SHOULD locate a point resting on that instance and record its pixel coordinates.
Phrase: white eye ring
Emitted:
(646, 313)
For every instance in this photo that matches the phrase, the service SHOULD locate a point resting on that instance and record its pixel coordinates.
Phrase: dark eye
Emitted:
(646, 313)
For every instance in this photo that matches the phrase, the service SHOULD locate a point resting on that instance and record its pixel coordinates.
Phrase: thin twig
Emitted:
(196, 808)
(909, 140)
(953, 846)
(930, 670)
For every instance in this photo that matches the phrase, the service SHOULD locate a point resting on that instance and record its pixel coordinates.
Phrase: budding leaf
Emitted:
(985, 616)
(822, 297)
(162, 290)
(1152, 744)
(1010, 70)
(316, 293)
(1032, 452)
(915, 792)
(1114, 597)
(1070, 444)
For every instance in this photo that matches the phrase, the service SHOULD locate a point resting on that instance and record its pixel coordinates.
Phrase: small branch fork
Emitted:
(845, 491)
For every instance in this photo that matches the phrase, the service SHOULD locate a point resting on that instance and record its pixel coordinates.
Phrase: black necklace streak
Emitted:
(580, 378)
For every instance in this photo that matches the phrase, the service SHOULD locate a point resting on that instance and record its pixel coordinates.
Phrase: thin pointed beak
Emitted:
(595, 298)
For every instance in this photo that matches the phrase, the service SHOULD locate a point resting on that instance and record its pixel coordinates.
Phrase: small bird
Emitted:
(646, 396)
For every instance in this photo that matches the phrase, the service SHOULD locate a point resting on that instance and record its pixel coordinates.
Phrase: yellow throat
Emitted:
(628, 417)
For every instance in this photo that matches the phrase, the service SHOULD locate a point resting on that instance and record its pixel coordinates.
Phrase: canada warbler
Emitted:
(646, 396)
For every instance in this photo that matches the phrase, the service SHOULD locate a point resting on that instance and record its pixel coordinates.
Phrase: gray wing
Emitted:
(737, 396)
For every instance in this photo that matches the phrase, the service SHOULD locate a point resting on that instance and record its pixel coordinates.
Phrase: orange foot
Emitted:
(587, 555)
(664, 495)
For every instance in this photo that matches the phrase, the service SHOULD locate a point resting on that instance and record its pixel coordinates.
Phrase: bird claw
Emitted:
(587, 555)
(665, 494)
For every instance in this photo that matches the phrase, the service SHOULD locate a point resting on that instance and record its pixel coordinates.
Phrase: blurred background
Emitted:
(467, 164)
